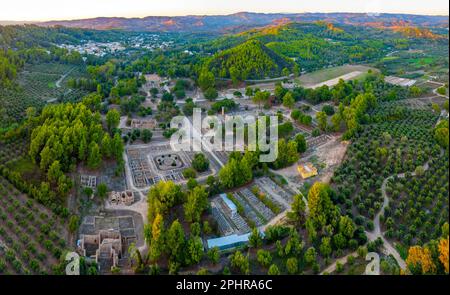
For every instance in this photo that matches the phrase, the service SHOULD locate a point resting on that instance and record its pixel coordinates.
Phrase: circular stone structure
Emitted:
(168, 162)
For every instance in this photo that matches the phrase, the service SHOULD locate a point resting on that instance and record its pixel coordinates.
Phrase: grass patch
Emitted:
(389, 58)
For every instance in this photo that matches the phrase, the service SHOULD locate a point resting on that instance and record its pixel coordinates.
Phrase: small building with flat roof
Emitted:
(307, 170)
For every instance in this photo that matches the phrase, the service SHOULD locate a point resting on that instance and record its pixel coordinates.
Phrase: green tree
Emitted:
(188, 108)
(234, 75)
(200, 162)
(206, 80)
(288, 100)
(46, 158)
(54, 172)
(445, 105)
(301, 143)
(328, 109)
(339, 241)
(261, 97)
(74, 223)
(135, 255)
(194, 250)
(442, 90)
(196, 203)
(102, 190)
(321, 208)
(322, 120)
(264, 257)
(436, 107)
(146, 135)
(255, 239)
(298, 210)
(94, 157)
(106, 146)
(157, 238)
(287, 154)
(154, 92)
(240, 262)
(346, 226)
(176, 241)
(310, 256)
(211, 93)
(214, 255)
(292, 265)
(249, 91)
(191, 183)
(189, 173)
(273, 270)
(112, 119)
(117, 146)
(163, 196)
(441, 134)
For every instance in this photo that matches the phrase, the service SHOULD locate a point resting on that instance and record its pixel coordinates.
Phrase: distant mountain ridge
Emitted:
(245, 20)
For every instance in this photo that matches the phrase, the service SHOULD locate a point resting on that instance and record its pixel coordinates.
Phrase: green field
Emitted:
(323, 75)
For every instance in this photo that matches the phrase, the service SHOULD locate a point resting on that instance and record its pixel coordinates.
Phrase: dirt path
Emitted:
(58, 83)
(377, 233)
(435, 90)
(342, 260)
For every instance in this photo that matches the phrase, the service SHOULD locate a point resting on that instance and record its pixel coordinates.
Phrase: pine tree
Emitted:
(94, 157)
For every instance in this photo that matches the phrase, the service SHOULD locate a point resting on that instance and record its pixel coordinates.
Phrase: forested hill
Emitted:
(249, 60)
(245, 20)
(310, 46)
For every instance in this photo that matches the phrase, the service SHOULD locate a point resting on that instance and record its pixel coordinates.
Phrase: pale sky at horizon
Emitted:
(41, 10)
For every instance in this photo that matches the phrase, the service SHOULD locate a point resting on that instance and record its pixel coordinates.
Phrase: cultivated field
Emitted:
(32, 238)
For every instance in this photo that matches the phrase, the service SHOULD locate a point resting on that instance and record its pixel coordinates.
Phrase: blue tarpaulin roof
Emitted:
(229, 203)
(228, 241)
(231, 241)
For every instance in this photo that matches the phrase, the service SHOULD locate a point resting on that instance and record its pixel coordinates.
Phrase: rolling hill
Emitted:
(249, 60)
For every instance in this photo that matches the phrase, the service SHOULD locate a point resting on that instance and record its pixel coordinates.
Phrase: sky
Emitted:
(41, 10)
